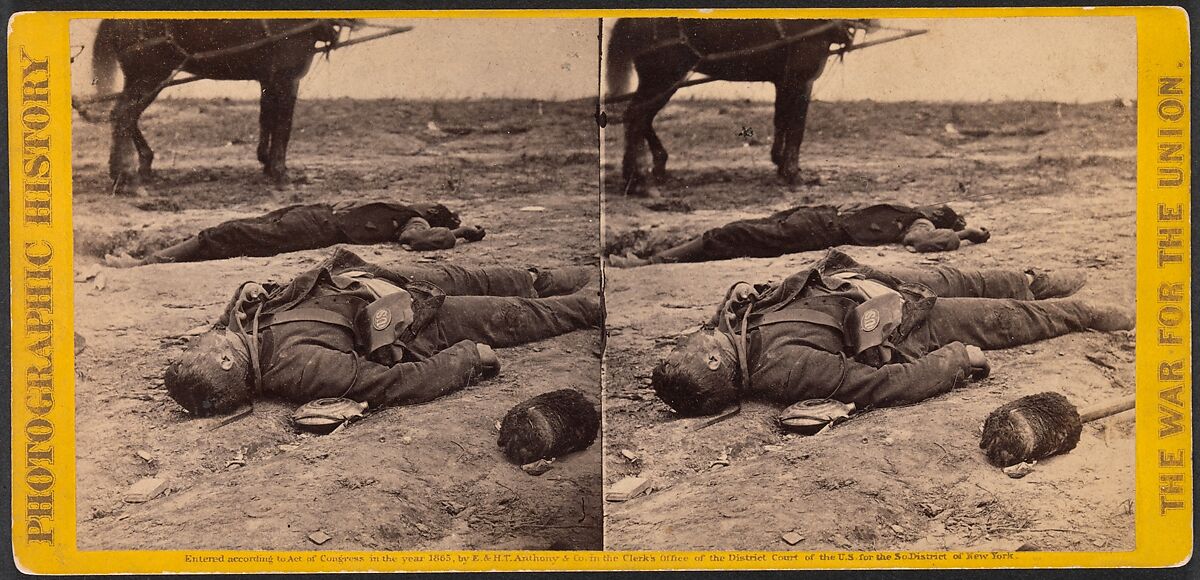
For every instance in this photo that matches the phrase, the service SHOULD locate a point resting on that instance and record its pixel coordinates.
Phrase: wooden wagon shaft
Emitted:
(392, 30)
(1101, 410)
(840, 51)
(854, 47)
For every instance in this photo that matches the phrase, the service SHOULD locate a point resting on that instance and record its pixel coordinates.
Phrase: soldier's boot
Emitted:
(561, 281)
(1107, 318)
(1055, 283)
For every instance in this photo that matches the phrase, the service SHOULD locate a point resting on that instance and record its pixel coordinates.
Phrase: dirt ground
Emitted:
(1056, 186)
(411, 478)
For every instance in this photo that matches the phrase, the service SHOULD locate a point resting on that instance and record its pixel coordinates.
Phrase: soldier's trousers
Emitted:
(991, 309)
(500, 306)
(950, 282)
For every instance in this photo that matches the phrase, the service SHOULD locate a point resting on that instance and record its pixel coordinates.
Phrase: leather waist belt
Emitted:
(797, 315)
(305, 315)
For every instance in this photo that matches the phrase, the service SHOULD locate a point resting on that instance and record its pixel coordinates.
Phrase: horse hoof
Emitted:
(660, 173)
(128, 187)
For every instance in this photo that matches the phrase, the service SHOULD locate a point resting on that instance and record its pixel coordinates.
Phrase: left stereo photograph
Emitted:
(337, 284)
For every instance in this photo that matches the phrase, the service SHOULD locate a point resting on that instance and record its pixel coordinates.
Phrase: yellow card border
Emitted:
(43, 409)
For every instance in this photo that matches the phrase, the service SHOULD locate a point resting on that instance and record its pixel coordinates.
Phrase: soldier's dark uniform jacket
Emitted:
(323, 352)
(802, 346)
(307, 227)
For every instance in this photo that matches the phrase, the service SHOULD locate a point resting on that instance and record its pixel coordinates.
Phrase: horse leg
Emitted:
(283, 107)
(781, 117)
(658, 153)
(145, 154)
(657, 83)
(126, 137)
(265, 127)
(793, 94)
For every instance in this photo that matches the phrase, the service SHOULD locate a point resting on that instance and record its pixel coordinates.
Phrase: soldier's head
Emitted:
(699, 376)
(943, 217)
(438, 215)
(212, 376)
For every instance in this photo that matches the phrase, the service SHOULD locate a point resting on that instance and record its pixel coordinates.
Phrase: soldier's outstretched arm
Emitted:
(814, 374)
(316, 372)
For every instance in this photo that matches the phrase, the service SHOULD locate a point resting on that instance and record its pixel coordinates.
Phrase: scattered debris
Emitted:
(931, 509)
(537, 467)
(318, 537)
(630, 456)
(1019, 470)
(257, 511)
(452, 507)
(1099, 361)
(899, 529)
(197, 331)
(627, 489)
(723, 460)
(145, 490)
(792, 538)
(145, 455)
(238, 460)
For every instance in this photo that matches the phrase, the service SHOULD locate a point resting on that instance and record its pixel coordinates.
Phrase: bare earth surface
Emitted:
(411, 478)
(1055, 184)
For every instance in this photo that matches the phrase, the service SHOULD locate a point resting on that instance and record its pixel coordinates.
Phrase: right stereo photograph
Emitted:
(869, 284)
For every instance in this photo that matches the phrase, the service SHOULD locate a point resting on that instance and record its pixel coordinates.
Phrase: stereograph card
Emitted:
(663, 289)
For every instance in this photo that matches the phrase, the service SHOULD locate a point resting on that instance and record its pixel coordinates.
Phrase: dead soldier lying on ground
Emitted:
(382, 336)
(417, 226)
(848, 332)
(818, 227)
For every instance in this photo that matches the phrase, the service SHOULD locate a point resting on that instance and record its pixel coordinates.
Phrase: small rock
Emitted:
(1019, 470)
(537, 467)
(145, 490)
(792, 538)
(101, 281)
(453, 508)
(424, 529)
(145, 455)
(627, 489)
(318, 537)
(406, 440)
(87, 273)
(770, 448)
(630, 456)
(532, 208)
(897, 528)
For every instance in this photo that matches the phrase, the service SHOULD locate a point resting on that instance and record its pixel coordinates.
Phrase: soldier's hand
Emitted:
(488, 360)
(252, 292)
(979, 363)
(744, 292)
